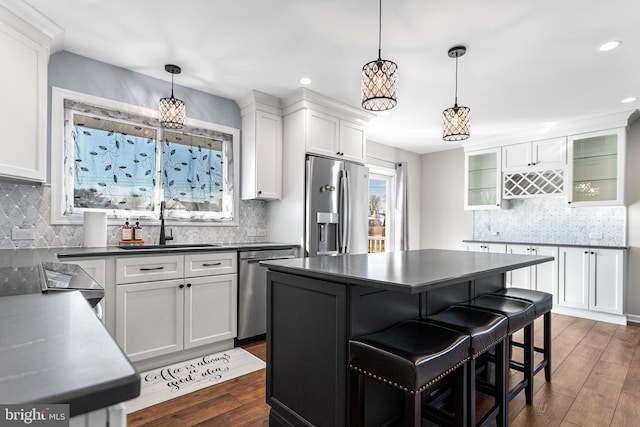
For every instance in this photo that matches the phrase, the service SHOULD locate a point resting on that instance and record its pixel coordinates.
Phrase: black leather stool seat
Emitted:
(484, 328)
(518, 312)
(542, 301)
(410, 355)
(542, 304)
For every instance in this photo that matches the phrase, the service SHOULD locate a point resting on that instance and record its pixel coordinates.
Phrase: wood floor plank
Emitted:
(548, 409)
(596, 402)
(627, 412)
(596, 381)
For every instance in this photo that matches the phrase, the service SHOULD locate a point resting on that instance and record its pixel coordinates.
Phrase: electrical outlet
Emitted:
(251, 232)
(23, 234)
(261, 232)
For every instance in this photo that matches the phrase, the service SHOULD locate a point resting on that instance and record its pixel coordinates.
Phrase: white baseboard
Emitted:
(633, 318)
(618, 319)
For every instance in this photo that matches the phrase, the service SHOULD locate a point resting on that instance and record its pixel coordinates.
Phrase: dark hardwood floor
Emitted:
(596, 382)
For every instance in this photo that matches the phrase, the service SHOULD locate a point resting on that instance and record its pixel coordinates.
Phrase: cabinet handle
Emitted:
(151, 268)
(586, 252)
(188, 285)
(212, 264)
(528, 164)
(181, 286)
(592, 253)
(259, 192)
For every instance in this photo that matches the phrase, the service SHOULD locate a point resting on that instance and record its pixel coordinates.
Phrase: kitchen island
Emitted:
(315, 305)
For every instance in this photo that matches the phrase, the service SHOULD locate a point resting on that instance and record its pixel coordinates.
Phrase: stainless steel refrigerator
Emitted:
(336, 207)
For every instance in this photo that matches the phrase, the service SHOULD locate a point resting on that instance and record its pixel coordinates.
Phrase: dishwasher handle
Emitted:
(254, 260)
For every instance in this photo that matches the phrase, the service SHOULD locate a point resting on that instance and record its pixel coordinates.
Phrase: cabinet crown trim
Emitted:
(305, 98)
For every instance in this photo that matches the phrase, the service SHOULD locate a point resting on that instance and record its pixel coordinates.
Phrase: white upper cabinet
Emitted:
(596, 168)
(545, 154)
(482, 180)
(23, 86)
(333, 137)
(261, 147)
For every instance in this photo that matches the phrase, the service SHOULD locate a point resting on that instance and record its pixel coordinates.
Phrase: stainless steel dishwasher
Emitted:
(252, 289)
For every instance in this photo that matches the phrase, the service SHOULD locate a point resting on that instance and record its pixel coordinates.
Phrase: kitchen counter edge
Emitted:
(564, 245)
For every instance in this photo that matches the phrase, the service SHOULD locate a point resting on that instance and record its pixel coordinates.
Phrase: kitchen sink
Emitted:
(171, 246)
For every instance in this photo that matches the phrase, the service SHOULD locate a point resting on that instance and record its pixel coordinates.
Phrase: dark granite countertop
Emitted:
(115, 250)
(495, 242)
(55, 350)
(410, 272)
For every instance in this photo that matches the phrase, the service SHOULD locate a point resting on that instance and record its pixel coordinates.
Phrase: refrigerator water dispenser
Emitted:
(327, 223)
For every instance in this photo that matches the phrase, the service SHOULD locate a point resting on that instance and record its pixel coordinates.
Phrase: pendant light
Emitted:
(456, 121)
(379, 80)
(173, 112)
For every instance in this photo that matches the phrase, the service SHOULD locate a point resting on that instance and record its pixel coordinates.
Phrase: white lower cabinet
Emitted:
(592, 279)
(210, 309)
(150, 318)
(158, 317)
(540, 277)
(486, 247)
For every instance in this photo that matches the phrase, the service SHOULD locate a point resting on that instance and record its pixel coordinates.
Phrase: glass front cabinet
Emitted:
(482, 180)
(596, 168)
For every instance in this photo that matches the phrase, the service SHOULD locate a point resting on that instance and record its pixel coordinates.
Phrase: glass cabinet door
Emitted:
(597, 168)
(482, 181)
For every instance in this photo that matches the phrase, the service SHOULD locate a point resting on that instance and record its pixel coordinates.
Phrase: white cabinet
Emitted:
(541, 277)
(592, 279)
(261, 147)
(149, 318)
(195, 304)
(544, 154)
(482, 180)
(333, 137)
(596, 168)
(25, 53)
(487, 247)
(210, 309)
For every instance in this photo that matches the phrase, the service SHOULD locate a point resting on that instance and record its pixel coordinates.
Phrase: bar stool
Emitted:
(487, 330)
(520, 314)
(542, 304)
(410, 356)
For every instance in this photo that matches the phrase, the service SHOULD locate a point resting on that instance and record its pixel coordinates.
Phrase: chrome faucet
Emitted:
(163, 236)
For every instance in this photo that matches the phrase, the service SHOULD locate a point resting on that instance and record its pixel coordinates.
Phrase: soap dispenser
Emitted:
(137, 230)
(127, 231)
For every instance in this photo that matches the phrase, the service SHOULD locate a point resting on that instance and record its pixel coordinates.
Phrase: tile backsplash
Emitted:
(28, 206)
(550, 220)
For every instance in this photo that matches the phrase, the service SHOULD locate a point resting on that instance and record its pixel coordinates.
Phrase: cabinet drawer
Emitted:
(210, 263)
(145, 269)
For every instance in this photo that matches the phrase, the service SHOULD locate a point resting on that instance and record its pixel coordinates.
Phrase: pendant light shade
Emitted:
(379, 80)
(173, 111)
(456, 121)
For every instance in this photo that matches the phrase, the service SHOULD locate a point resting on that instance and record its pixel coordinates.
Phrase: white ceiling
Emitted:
(529, 64)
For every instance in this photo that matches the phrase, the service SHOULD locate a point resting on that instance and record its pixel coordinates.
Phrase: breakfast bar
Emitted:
(315, 305)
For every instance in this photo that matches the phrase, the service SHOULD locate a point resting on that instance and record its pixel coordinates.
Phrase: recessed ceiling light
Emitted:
(305, 81)
(610, 45)
(630, 99)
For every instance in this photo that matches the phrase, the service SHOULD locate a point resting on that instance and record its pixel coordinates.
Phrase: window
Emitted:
(381, 211)
(116, 157)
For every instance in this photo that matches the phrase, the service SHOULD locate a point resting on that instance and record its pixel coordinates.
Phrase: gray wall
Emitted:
(445, 223)
(633, 222)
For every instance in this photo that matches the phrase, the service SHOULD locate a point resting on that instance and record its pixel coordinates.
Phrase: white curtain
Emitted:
(401, 208)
